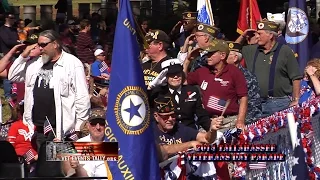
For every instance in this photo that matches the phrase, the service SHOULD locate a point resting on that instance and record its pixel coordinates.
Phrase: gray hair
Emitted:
(275, 34)
(239, 56)
(282, 25)
(54, 36)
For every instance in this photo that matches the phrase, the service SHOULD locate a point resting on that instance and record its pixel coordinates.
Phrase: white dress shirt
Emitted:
(69, 85)
(176, 96)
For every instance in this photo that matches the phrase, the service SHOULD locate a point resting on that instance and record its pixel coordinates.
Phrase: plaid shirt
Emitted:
(199, 62)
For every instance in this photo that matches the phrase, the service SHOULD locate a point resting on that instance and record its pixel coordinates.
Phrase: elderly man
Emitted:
(158, 42)
(223, 86)
(276, 68)
(181, 137)
(55, 87)
(96, 126)
(186, 98)
(254, 101)
(203, 36)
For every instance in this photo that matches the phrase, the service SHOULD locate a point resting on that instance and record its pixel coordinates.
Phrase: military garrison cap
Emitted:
(268, 25)
(233, 46)
(189, 15)
(164, 104)
(217, 45)
(32, 39)
(213, 31)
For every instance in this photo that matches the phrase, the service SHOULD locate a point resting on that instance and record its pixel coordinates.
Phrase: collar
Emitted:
(272, 49)
(60, 61)
(178, 90)
(94, 141)
(224, 70)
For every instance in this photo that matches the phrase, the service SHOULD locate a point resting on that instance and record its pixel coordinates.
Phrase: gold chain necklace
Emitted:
(153, 66)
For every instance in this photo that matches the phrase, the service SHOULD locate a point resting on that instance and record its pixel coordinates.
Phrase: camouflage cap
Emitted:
(268, 25)
(213, 31)
(189, 15)
(217, 45)
(32, 39)
(158, 35)
(97, 113)
(233, 46)
(164, 105)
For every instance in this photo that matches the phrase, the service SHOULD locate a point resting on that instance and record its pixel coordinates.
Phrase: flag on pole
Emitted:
(103, 66)
(297, 31)
(249, 14)
(29, 156)
(205, 12)
(47, 127)
(71, 134)
(128, 114)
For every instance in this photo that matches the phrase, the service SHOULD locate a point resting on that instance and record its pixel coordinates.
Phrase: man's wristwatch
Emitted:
(295, 99)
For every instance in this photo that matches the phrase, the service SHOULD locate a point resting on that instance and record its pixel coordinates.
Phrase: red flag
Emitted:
(249, 14)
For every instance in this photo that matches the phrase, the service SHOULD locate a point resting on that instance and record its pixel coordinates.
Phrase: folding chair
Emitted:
(11, 165)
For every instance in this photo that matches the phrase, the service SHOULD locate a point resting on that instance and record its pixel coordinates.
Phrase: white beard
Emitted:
(45, 59)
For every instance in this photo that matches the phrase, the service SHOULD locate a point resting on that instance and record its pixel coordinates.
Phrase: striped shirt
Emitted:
(85, 48)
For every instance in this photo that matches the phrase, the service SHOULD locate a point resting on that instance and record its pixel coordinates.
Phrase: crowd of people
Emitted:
(199, 84)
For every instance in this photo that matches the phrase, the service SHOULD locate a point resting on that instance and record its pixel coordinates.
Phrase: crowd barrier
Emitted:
(274, 129)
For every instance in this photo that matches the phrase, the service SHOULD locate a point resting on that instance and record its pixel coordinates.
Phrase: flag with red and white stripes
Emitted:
(103, 66)
(216, 103)
(29, 156)
(47, 127)
(71, 134)
(258, 165)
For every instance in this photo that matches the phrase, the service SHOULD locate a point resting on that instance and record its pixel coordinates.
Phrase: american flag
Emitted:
(103, 66)
(47, 127)
(71, 134)
(29, 156)
(216, 103)
(299, 168)
(258, 165)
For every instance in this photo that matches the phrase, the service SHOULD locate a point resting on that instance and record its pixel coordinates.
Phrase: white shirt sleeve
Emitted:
(182, 56)
(17, 71)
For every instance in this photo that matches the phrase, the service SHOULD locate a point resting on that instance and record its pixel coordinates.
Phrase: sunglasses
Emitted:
(43, 45)
(94, 122)
(166, 117)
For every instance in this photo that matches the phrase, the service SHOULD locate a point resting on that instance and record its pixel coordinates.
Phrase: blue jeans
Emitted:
(7, 86)
(274, 104)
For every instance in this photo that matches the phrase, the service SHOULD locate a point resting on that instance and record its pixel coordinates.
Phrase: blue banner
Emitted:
(128, 113)
(297, 31)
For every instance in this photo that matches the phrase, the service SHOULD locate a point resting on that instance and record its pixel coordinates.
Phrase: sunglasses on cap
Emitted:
(94, 122)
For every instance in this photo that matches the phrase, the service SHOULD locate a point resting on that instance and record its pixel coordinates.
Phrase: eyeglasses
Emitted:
(166, 117)
(198, 35)
(43, 45)
(185, 22)
(101, 122)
